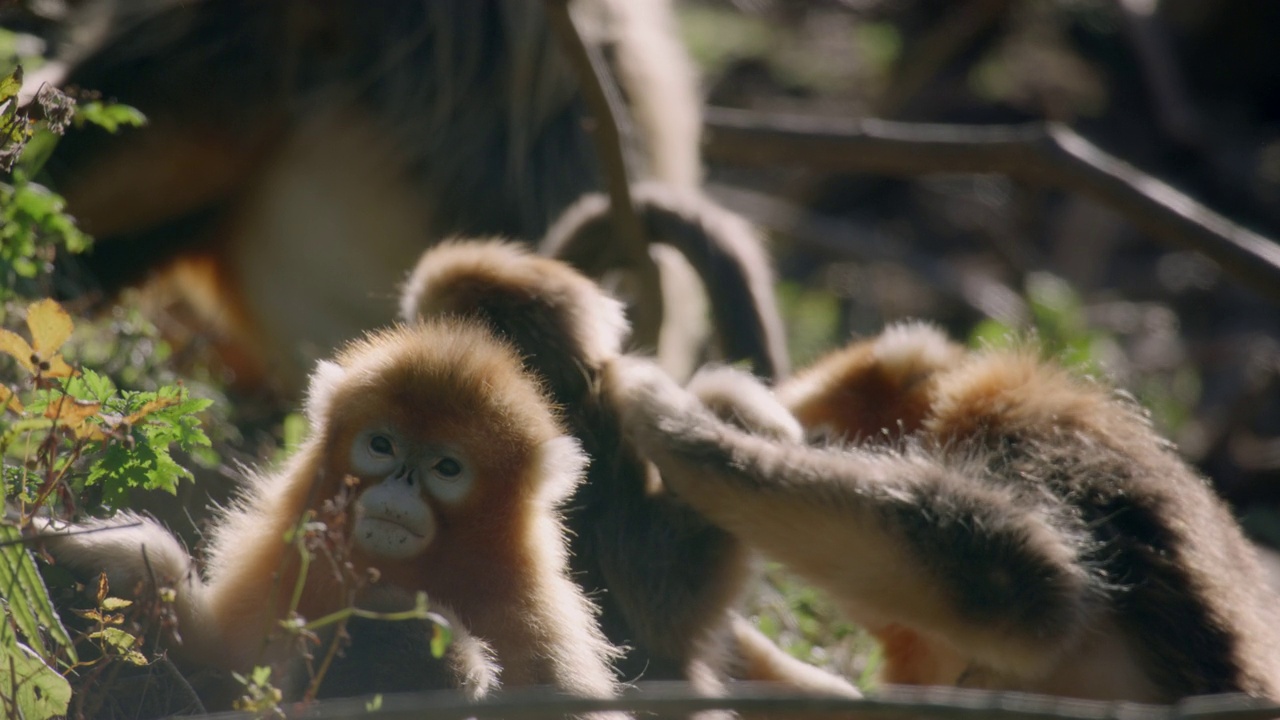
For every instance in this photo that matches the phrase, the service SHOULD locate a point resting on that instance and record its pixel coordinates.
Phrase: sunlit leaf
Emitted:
(58, 368)
(50, 326)
(42, 693)
(10, 85)
(135, 658)
(113, 603)
(28, 600)
(116, 638)
(110, 117)
(158, 404)
(440, 639)
(71, 412)
(18, 348)
(10, 401)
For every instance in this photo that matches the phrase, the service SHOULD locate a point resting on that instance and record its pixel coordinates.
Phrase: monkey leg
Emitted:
(897, 537)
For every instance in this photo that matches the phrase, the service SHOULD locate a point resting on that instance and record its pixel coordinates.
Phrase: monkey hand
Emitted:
(739, 399)
(646, 398)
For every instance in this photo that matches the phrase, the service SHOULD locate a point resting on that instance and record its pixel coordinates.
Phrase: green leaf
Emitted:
(441, 636)
(110, 117)
(114, 603)
(25, 595)
(9, 86)
(42, 693)
(116, 638)
(91, 386)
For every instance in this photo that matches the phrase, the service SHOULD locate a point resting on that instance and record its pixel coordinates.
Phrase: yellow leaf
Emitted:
(71, 412)
(58, 368)
(147, 409)
(10, 401)
(89, 431)
(18, 348)
(50, 326)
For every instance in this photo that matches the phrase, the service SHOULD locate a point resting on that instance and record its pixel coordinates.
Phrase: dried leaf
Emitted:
(10, 401)
(158, 404)
(50, 326)
(58, 368)
(15, 346)
(71, 412)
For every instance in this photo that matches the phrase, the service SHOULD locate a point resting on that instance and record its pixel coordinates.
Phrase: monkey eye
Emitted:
(448, 468)
(381, 445)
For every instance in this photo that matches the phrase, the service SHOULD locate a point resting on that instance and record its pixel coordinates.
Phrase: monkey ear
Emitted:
(560, 466)
(324, 384)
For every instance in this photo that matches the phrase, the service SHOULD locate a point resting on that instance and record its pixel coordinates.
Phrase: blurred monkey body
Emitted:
(300, 155)
(996, 521)
(667, 580)
(457, 464)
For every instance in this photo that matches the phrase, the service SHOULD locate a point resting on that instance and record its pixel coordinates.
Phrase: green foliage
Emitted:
(63, 431)
(1059, 325)
(811, 318)
(260, 696)
(28, 680)
(109, 116)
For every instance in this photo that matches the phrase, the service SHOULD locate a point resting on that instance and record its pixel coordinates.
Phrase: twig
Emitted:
(606, 106)
(1172, 110)
(897, 702)
(928, 56)
(1047, 154)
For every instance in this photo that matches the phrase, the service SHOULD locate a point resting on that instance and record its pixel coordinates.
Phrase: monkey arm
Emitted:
(139, 557)
(897, 538)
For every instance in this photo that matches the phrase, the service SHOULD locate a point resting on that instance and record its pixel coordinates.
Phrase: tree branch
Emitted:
(671, 699)
(1047, 154)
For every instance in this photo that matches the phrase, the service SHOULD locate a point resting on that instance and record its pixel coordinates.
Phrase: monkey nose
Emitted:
(404, 474)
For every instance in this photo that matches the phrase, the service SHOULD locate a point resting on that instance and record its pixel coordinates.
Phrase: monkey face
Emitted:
(401, 479)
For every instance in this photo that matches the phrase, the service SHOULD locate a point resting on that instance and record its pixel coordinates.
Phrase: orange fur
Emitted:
(495, 556)
(995, 520)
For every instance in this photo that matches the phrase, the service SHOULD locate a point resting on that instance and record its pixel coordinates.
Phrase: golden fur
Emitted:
(667, 580)
(325, 145)
(497, 558)
(995, 520)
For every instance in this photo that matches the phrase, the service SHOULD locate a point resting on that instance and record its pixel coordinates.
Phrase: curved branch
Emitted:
(1047, 154)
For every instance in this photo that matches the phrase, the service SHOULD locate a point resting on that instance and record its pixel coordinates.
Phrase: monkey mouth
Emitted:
(389, 537)
(394, 525)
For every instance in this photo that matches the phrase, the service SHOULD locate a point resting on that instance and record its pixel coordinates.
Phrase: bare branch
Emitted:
(1047, 154)
(673, 699)
(954, 33)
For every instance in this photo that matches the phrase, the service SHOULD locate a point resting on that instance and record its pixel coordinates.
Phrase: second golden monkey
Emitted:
(995, 520)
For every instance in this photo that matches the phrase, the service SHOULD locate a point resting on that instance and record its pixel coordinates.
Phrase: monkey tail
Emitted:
(723, 249)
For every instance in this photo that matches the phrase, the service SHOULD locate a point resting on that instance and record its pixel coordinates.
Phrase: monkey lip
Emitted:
(396, 524)
(392, 536)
